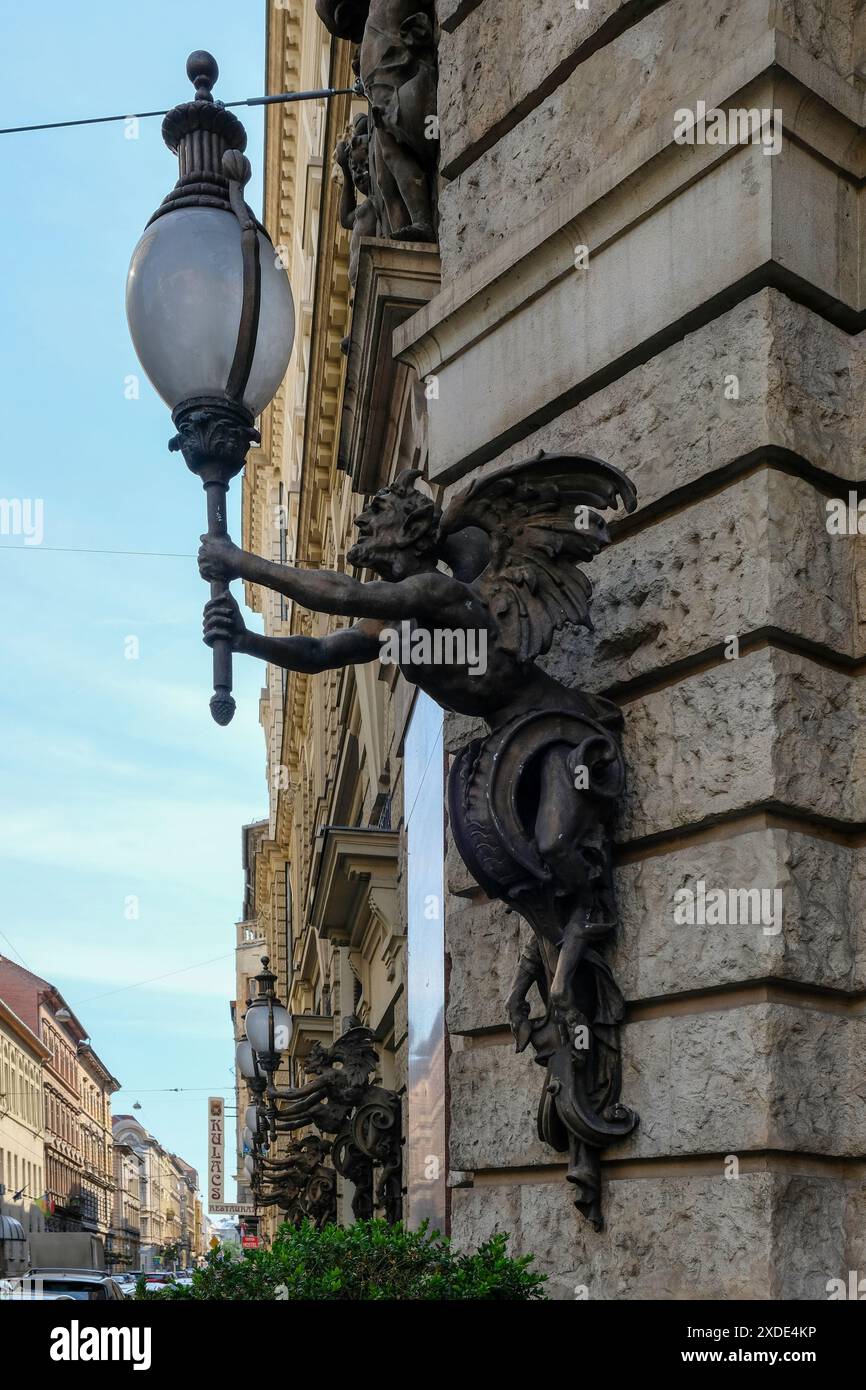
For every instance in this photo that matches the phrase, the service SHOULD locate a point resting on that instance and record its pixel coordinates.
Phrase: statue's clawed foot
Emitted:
(521, 1028)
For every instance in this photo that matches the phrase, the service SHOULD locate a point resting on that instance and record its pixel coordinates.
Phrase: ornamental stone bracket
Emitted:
(309, 1030)
(357, 876)
(395, 280)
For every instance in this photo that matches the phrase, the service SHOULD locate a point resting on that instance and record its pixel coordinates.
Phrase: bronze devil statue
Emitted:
(341, 1100)
(531, 803)
(301, 1184)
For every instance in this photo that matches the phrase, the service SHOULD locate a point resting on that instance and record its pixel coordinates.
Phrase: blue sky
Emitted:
(114, 781)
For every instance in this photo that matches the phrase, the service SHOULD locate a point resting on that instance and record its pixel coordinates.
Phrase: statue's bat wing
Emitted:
(541, 521)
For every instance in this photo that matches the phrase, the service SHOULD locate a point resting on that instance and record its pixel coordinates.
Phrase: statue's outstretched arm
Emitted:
(351, 646)
(328, 591)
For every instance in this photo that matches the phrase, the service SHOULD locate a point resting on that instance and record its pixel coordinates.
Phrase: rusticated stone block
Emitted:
(829, 30)
(757, 555)
(764, 1235)
(483, 941)
(608, 100)
(729, 1081)
(818, 1095)
(822, 942)
(493, 1122)
(816, 377)
(542, 40)
(770, 727)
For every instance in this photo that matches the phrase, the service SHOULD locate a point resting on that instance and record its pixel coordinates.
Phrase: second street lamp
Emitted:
(268, 1027)
(210, 310)
(267, 1022)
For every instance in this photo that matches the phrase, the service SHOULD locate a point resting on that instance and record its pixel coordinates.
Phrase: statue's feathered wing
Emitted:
(541, 523)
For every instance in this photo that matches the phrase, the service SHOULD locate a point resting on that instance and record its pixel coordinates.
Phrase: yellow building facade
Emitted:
(22, 1129)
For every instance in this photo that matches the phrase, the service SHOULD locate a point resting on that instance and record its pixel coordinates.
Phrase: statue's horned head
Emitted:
(398, 532)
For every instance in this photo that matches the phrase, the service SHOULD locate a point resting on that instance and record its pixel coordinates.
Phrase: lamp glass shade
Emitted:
(184, 295)
(248, 1136)
(246, 1062)
(257, 1028)
(251, 1118)
(249, 1165)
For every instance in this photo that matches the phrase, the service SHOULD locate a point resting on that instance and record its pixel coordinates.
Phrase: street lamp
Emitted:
(210, 310)
(247, 1064)
(267, 1022)
(268, 1026)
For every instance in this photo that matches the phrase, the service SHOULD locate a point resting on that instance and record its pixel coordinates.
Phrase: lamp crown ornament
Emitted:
(201, 132)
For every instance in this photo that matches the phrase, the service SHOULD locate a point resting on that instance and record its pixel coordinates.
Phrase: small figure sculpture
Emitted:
(532, 803)
(397, 67)
(352, 156)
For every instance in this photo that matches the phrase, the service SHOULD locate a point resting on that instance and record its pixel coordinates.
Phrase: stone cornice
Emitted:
(638, 157)
(645, 198)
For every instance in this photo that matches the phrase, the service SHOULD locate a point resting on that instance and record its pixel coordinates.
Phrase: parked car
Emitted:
(155, 1283)
(127, 1281)
(77, 1285)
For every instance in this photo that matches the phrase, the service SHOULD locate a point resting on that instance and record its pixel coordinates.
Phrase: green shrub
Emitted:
(370, 1260)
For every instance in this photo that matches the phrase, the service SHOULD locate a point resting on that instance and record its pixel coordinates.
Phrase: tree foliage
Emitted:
(368, 1261)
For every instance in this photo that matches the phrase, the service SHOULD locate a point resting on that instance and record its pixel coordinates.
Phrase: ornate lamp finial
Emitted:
(202, 69)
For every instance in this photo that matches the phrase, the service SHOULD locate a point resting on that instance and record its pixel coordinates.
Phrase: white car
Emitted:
(68, 1285)
(127, 1283)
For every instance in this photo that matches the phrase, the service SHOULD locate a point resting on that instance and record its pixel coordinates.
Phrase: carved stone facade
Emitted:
(327, 868)
(692, 313)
